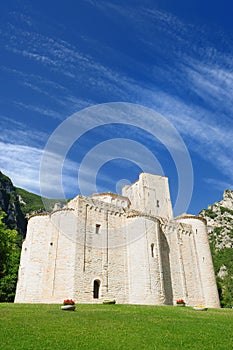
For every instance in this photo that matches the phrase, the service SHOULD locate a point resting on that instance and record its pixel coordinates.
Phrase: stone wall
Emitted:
(144, 262)
(46, 271)
(199, 259)
(101, 251)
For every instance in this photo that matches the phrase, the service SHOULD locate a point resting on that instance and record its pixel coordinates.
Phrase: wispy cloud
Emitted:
(191, 84)
(54, 91)
(213, 83)
(206, 73)
(22, 165)
(60, 56)
(219, 185)
(203, 133)
(18, 160)
(18, 133)
(40, 110)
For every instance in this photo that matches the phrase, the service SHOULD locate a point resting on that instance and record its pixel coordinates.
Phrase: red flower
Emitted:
(180, 301)
(68, 302)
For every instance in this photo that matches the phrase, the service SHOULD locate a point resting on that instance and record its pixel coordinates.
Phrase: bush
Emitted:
(210, 213)
(226, 210)
(9, 261)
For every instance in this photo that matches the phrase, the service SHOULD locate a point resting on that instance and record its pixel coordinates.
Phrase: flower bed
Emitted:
(68, 304)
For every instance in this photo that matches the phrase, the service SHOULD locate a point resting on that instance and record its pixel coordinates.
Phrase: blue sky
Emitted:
(174, 57)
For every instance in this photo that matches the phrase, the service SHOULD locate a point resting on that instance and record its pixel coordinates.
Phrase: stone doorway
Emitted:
(96, 289)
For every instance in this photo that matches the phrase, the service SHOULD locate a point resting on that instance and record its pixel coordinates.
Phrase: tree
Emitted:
(9, 260)
(223, 257)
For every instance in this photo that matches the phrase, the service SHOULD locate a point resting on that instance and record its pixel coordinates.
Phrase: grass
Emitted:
(114, 327)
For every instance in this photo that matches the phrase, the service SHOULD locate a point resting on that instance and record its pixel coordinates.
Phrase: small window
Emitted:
(152, 249)
(97, 228)
(157, 203)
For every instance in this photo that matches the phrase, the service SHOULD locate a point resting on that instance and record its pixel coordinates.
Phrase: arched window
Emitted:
(152, 249)
(97, 229)
(96, 289)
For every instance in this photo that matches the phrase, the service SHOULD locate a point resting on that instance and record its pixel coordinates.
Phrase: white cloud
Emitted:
(21, 164)
(16, 132)
(214, 84)
(41, 110)
(203, 134)
(56, 92)
(219, 185)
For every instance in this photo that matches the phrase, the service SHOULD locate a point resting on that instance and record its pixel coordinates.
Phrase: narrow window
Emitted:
(96, 289)
(97, 228)
(157, 203)
(152, 249)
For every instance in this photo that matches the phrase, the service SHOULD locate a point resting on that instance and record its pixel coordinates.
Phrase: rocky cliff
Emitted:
(10, 204)
(219, 218)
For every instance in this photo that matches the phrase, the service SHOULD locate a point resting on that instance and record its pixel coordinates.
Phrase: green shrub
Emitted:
(226, 210)
(210, 213)
(218, 230)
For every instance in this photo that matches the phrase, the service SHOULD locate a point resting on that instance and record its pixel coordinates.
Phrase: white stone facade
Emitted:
(128, 248)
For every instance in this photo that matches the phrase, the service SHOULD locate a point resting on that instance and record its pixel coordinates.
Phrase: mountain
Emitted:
(18, 204)
(10, 204)
(219, 218)
(31, 203)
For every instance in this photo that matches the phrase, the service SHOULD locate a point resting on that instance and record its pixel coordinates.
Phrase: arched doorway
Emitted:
(96, 289)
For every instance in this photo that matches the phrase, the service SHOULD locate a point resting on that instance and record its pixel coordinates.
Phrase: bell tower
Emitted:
(150, 195)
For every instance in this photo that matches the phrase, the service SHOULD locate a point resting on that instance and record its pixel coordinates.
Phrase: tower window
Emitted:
(157, 203)
(97, 228)
(152, 249)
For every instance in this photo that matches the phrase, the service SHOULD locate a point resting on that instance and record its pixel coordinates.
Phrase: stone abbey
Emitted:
(128, 248)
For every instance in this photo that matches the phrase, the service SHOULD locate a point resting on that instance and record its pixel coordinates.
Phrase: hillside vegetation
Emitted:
(219, 218)
(10, 205)
(31, 203)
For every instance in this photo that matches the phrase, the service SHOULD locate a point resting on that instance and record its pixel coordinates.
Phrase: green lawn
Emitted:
(114, 327)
